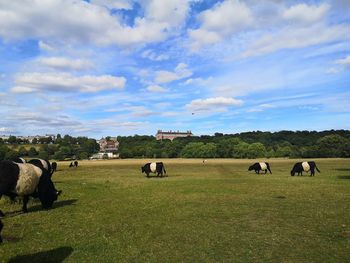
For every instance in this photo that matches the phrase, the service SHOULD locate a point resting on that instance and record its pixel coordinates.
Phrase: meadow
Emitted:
(212, 212)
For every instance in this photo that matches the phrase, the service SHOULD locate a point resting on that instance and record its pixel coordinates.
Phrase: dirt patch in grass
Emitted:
(345, 234)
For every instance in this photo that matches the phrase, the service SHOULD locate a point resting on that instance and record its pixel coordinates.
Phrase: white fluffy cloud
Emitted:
(65, 63)
(218, 103)
(83, 22)
(221, 21)
(297, 37)
(153, 56)
(156, 88)
(344, 62)
(31, 82)
(181, 71)
(114, 4)
(306, 13)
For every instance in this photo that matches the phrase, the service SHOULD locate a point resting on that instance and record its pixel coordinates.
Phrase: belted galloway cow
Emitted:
(25, 180)
(157, 167)
(257, 167)
(304, 167)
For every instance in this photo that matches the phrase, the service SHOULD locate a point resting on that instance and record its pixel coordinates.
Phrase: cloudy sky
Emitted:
(124, 67)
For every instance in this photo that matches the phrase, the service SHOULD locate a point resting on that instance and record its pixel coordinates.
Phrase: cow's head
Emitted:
(292, 173)
(250, 168)
(46, 191)
(142, 169)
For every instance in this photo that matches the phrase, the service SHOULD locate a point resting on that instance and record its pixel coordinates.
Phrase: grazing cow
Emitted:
(1, 226)
(153, 168)
(257, 167)
(25, 180)
(53, 167)
(43, 164)
(19, 160)
(75, 163)
(304, 167)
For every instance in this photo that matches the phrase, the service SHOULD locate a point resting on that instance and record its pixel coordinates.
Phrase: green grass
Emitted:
(213, 212)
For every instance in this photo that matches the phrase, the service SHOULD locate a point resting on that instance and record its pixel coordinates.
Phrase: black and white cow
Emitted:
(304, 167)
(25, 180)
(153, 168)
(75, 163)
(43, 164)
(257, 167)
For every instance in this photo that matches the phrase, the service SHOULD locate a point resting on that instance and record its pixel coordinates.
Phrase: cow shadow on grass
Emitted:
(56, 205)
(56, 255)
(38, 207)
(343, 177)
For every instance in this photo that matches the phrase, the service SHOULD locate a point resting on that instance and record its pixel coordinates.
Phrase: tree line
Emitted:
(258, 144)
(66, 147)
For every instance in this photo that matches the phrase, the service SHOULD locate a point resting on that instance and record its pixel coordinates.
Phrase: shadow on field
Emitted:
(36, 208)
(343, 169)
(343, 177)
(56, 204)
(156, 177)
(56, 255)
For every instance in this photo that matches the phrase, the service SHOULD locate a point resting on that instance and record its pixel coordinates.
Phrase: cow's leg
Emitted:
(312, 172)
(25, 202)
(265, 171)
(147, 174)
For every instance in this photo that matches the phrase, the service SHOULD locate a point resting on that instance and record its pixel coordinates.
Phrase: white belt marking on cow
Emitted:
(263, 166)
(306, 166)
(44, 164)
(153, 167)
(22, 159)
(28, 178)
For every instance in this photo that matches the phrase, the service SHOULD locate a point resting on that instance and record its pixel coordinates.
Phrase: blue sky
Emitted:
(124, 67)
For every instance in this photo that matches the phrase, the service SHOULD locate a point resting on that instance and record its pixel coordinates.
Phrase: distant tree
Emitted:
(3, 150)
(12, 139)
(43, 155)
(83, 156)
(256, 150)
(32, 152)
(11, 154)
(58, 156)
(35, 141)
(333, 146)
(22, 151)
(240, 150)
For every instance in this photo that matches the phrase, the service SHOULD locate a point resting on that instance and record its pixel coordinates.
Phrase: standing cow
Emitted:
(153, 168)
(25, 180)
(304, 167)
(257, 167)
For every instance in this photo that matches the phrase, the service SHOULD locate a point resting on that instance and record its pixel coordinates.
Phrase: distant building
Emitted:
(171, 135)
(111, 145)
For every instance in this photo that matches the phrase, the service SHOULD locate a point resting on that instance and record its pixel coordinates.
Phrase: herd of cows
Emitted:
(33, 178)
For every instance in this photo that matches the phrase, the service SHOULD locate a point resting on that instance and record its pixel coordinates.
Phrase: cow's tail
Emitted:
(164, 169)
(317, 169)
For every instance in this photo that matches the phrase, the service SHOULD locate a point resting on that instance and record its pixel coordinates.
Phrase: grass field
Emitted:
(212, 212)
